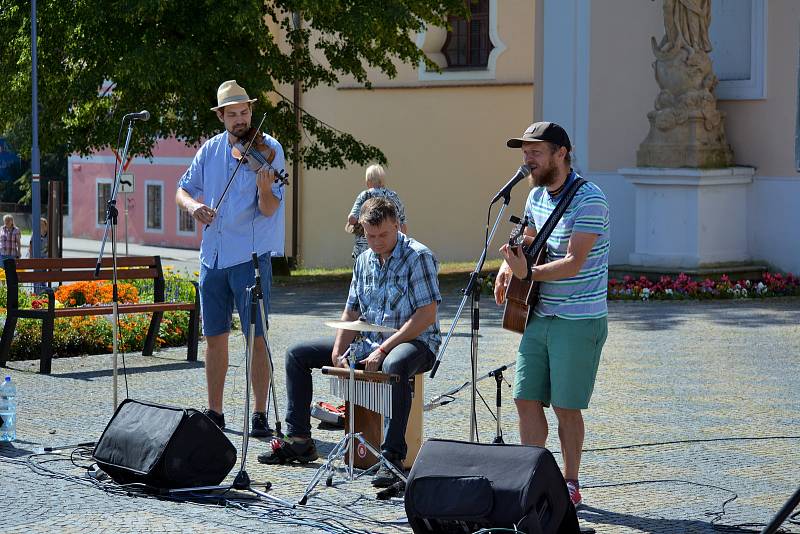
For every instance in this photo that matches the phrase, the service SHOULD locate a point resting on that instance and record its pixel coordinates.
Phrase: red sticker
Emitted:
(362, 451)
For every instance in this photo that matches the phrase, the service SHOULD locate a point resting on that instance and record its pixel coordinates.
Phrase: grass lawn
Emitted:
(451, 271)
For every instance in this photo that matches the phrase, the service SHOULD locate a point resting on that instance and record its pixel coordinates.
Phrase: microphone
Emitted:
(523, 171)
(143, 115)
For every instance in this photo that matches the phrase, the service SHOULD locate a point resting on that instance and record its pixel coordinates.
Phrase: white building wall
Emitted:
(570, 55)
(773, 221)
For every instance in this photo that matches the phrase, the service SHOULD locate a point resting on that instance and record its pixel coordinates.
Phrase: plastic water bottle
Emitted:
(8, 410)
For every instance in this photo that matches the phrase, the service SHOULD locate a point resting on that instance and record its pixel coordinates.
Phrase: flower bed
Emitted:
(684, 287)
(74, 336)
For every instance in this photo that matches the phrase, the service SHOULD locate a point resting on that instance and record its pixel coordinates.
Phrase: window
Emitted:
(468, 45)
(154, 206)
(738, 53)
(103, 196)
(466, 53)
(185, 222)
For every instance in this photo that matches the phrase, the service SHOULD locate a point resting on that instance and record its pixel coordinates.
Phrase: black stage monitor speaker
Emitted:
(460, 487)
(164, 447)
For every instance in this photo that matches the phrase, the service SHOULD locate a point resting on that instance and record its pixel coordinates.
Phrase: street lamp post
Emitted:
(35, 186)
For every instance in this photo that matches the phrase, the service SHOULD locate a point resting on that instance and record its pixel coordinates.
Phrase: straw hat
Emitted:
(229, 93)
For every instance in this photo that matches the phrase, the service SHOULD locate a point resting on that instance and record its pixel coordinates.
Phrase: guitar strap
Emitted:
(542, 236)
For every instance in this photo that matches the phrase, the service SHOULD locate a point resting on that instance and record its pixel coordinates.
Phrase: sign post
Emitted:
(126, 185)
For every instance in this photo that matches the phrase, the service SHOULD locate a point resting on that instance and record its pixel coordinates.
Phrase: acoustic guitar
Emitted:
(522, 295)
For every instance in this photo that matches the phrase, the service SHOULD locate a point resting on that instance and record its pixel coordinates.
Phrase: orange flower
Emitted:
(96, 292)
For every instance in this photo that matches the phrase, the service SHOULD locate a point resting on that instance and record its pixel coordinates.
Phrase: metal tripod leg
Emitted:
(248, 368)
(272, 395)
(341, 449)
(498, 377)
(242, 480)
(265, 330)
(328, 469)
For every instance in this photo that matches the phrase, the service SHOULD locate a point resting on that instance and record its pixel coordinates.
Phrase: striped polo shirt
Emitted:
(582, 296)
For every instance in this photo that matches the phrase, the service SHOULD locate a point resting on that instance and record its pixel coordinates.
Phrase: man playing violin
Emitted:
(560, 349)
(249, 219)
(395, 285)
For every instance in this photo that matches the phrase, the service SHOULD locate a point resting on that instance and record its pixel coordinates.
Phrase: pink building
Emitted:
(152, 216)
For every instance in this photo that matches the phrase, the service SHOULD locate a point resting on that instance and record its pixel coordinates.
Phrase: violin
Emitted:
(259, 154)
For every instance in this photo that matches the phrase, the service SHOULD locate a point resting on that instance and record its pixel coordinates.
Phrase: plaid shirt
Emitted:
(389, 294)
(10, 242)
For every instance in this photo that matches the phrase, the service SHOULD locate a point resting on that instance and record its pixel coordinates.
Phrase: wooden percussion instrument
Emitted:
(371, 403)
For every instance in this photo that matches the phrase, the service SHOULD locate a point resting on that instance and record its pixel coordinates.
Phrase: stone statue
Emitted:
(686, 24)
(686, 128)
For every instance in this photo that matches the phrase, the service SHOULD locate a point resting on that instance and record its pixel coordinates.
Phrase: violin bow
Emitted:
(238, 164)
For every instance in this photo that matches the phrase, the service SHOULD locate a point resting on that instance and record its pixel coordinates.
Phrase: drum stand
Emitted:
(348, 445)
(242, 480)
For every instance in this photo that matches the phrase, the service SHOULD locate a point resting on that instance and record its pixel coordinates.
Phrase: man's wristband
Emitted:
(529, 277)
(382, 350)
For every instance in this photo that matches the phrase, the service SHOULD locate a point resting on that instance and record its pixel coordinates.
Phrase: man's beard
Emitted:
(239, 130)
(547, 177)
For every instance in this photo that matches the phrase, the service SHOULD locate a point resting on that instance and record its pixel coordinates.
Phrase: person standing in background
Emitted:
(43, 229)
(38, 287)
(10, 239)
(375, 179)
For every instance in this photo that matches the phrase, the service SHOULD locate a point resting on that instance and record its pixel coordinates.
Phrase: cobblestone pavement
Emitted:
(693, 425)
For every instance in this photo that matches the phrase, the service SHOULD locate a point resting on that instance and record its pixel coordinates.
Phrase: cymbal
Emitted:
(359, 326)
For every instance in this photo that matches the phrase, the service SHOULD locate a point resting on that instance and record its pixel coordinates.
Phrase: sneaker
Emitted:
(217, 418)
(574, 493)
(259, 427)
(288, 450)
(385, 477)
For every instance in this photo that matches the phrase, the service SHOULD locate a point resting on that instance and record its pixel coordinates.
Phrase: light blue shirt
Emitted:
(239, 228)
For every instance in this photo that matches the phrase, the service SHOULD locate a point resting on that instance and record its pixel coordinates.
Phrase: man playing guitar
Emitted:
(560, 349)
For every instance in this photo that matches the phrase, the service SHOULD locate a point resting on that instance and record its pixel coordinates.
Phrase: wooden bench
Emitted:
(82, 269)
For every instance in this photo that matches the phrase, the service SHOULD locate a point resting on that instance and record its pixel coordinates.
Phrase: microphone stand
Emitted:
(449, 396)
(473, 292)
(241, 480)
(111, 224)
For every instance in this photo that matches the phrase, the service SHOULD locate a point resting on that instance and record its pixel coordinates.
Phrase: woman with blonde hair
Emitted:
(375, 179)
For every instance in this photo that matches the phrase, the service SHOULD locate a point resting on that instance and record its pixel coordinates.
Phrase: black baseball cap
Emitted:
(542, 131)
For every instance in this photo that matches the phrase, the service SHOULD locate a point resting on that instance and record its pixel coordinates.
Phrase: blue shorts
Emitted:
(220, 288)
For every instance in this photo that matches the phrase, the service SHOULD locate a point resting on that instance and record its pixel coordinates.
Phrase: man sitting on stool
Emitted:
(394, 284)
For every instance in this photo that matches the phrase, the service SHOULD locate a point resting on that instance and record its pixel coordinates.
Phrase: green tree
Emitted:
(169, 56)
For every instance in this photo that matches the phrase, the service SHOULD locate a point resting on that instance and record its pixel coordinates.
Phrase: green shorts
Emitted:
(557, 361)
